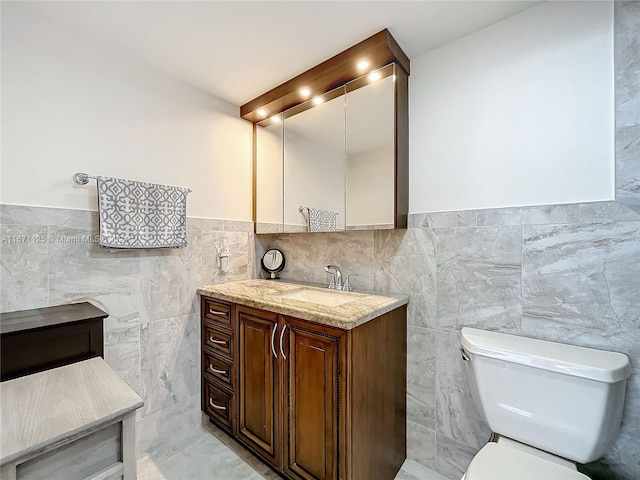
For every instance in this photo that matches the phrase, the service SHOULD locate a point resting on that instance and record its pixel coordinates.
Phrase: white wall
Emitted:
(370, 187)
(70, 105)
(520, 113)
(269, 187)
(314, 177)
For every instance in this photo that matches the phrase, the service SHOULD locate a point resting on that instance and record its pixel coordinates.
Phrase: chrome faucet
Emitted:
(336, 279)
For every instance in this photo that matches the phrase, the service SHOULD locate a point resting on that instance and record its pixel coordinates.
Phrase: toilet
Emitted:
(549, 404)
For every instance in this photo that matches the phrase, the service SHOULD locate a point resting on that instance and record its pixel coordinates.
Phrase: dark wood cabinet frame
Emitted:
(35, 340)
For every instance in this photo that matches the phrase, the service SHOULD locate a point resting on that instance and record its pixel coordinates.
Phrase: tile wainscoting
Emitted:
(49, 256)
(566, 273)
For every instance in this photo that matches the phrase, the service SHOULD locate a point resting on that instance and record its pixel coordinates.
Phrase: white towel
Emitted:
(141, 215)
(322, 220)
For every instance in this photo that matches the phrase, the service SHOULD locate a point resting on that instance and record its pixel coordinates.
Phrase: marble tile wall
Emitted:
(152, 335)
(567, 273)
(627, 70)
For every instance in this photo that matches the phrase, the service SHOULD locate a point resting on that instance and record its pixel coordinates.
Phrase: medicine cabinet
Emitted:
(331, 145)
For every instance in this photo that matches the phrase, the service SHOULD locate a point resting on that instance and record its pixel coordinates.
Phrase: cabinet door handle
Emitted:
(217, 312)
(217, 342)
(273, 347)
(215, 370)
(282, 335)
(217, 407)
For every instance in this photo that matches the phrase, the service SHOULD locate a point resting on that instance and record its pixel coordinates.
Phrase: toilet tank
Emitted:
(562, 399)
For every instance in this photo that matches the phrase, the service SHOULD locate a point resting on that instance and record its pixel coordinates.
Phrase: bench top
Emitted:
(44, 408)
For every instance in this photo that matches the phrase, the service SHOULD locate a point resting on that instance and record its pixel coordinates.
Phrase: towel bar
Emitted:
(82, 179)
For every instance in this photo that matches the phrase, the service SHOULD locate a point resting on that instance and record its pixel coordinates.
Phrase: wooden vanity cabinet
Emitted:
(218, 363)
(319, 402)
(259, 384)
(315, 400)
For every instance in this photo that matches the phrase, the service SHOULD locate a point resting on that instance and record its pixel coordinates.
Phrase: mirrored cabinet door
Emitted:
(269, 175)
(370, 151)
(314, 165)
(332, 165)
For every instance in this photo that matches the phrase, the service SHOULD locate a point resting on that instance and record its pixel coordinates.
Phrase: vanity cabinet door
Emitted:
(314, 424)
(258, 389)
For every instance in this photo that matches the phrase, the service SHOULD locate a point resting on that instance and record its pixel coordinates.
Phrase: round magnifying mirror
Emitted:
(272, 262)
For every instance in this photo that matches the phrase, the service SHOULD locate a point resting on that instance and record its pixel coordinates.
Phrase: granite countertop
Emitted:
(266, 295)
(44, 408)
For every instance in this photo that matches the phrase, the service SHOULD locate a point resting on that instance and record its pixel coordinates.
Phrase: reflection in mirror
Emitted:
(370, 152)
(314, 165)
(272, 262)
(269, 187)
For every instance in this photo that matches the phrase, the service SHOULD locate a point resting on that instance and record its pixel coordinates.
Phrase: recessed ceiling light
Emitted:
(373, 76)
(262, 112)
(275, 119)
(305, 92)
(317, 100)
(362, 65)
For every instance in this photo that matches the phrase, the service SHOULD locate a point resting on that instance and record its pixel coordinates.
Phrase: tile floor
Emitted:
(216, 456)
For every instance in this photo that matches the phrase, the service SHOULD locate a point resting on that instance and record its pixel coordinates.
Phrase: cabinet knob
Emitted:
(217, 312)
(217, 342)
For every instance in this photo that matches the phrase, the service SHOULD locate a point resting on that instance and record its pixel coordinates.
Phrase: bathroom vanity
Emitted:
(310, 380)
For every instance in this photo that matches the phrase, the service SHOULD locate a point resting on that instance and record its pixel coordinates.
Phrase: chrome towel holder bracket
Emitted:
(82, 178)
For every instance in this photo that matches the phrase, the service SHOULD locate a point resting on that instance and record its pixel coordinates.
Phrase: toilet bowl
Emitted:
(550, 404)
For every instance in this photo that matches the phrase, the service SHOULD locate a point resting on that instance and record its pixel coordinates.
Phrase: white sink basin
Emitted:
(321, 297)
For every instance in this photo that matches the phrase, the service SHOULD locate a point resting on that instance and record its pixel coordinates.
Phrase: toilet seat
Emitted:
(498, 462)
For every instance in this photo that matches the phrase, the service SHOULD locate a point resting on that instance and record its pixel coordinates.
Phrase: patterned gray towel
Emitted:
(141, 215)
(322, 220)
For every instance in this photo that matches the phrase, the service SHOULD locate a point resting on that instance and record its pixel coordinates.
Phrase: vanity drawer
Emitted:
(220, 341)
(218, 403)
(219, 368)
(216, 311)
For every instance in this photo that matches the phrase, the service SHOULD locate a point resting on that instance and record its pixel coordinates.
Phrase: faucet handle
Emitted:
(333, 270)
(347, 283)
(332, 283)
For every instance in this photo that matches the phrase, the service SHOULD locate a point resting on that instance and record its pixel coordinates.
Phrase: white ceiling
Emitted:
(237, 50)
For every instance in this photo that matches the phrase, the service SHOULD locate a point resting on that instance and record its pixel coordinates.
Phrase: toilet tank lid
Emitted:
(599, 365)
